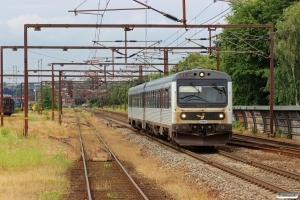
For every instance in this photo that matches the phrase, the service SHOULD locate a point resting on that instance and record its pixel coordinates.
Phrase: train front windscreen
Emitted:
(202, 93)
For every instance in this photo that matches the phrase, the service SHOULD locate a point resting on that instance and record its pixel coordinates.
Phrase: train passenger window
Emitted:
(170, 98)
(157, 99)
(166, 98)
(162, 98)
(152, 100)
(148, 100)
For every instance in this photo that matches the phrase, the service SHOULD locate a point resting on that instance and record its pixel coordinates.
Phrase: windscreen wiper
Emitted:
(189, 97)
(218, 89)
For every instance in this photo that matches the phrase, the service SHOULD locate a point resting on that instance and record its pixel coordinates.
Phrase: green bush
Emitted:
(17, 110)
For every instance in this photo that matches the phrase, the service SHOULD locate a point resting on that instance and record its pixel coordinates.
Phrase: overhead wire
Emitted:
(188, 22)
(49, 56)
(202, 24)
(97, 34)
(80, 4)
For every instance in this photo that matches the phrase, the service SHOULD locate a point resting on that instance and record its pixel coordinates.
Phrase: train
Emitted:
(189, 108)
(8, 106)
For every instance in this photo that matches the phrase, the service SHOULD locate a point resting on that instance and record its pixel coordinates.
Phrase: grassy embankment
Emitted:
(33, 167)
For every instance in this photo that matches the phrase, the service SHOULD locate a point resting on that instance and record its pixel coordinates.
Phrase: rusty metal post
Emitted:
(1, 104)
(113, 98)
(184, 13)
(59, 98)
(125, 96)
(25, 129)
(113, 63)
(209, 30)
(21, 104)
(119, 99)
(104, 73)
(125, 30)
(166, 59)
(52, 94)
(218, 59)
(271, 77)
(41, 101)
(140, 74)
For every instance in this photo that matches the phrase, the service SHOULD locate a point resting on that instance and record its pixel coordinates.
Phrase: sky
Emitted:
(15, 13)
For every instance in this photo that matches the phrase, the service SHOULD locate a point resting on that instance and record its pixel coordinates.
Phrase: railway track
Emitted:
(271, 145)
(259, 174)
(99, 173)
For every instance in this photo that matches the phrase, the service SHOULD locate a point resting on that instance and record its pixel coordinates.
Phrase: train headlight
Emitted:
(183, 115)
(201, 74)
(221, 115)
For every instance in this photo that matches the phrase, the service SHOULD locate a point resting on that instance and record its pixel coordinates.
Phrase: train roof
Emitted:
(188, 74)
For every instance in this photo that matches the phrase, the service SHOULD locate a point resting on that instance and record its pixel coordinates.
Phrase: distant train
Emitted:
(8, 106)
(189, 108)
(18, 102)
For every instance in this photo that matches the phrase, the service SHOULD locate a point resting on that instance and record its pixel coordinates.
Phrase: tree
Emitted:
(195, 60)
(249, 66)
(47, 98)
(287, 52)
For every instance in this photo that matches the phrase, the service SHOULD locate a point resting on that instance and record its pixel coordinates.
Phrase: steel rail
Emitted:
(264, 146)
(139, 190)
(293, 175)
(269, 140)
(83, 159)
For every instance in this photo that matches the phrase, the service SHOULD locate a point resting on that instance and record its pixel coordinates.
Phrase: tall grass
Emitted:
(14, 155)
(21, 159)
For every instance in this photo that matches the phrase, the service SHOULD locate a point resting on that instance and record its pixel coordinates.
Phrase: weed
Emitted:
(238, 125)
(51, 195)
(253, 130)
(60, 157)
(112, 195)
(47, 116)
(89, 175)
(278, 133)
(107, 165)
(5, 132)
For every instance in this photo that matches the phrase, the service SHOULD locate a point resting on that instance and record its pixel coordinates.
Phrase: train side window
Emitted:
(162, 99)
(152, 99)
(142, 99)
(148, 99)
(166, 98)
(169, 99)
(157, 98)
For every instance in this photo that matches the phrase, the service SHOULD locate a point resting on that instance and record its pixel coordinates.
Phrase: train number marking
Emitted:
(187, 75)
(203, 121)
